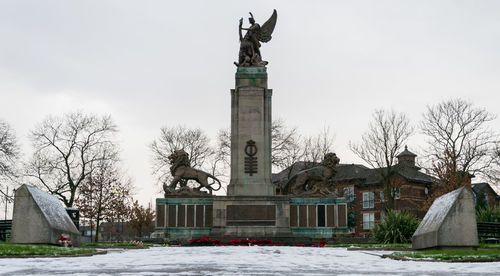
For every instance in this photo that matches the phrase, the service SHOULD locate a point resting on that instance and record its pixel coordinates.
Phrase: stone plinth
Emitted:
(251, 216)
(277, 217)
(449, 223)
(40, 218)
(251, 134)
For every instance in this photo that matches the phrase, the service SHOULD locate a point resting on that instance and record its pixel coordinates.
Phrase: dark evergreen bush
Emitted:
(488, 214)
(396, 227)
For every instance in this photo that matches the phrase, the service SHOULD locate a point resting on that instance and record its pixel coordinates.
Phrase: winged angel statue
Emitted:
(250, 43)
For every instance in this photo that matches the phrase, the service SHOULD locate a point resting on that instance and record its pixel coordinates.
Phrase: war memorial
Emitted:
(251, 208)
(301, 211)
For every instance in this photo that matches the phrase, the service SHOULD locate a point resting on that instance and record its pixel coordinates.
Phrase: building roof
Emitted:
(349, 172)
(406, 152)
(481, 187)
(296, 167)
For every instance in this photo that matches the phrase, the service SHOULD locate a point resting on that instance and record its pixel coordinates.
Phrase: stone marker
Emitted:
(40, 218)
(449, 223)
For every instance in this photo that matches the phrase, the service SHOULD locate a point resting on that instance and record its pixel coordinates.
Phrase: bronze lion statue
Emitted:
(304, 181)
(181, 170)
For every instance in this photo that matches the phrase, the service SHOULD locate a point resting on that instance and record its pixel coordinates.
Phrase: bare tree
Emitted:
(9, 151)
(317, 146)
(288, 146)
(194, 141)
(448, 178)
(386, 135)
(222, 154)
(285, 145)
(104, 194)
(460, 142)
(65, 149)
(140, 217)
(494, 171)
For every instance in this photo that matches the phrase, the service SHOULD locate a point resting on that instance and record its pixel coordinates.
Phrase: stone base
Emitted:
(251, 216)
(279, 218)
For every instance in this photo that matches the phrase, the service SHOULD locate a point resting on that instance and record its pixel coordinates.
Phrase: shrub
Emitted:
(488, 214)
(396, 227)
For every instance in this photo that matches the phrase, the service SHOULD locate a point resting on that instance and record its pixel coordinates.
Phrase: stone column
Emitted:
(251, 134)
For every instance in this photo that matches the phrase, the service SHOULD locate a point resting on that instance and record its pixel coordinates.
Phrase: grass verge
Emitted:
(480, 255)
(13, 249)
(489, 245)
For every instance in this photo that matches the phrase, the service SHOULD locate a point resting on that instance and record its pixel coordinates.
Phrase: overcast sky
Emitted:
(162, 63)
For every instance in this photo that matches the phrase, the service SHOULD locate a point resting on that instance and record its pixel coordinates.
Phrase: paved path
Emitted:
(238, 261)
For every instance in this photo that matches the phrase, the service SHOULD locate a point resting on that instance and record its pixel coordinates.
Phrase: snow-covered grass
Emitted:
(249, 260)
(453, 255)
(12, 249)
(115, 244)
(372, 245)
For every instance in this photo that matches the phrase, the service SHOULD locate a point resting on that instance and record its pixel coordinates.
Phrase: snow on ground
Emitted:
(253, 260)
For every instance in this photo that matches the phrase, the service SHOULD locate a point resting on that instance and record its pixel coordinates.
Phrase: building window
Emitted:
(486, 198)
(349, 194)
(368, 200)
(396, 192)
(368, 221)
(382, 196)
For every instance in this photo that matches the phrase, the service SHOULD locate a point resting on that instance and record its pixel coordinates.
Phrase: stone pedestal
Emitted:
(251, 134)
(251, 216)
(280, 218)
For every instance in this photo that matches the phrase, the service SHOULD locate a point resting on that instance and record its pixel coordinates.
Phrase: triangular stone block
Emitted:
(40, 218)
(449, 223)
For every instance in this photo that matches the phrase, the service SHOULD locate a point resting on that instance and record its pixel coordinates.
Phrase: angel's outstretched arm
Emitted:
(240, 28)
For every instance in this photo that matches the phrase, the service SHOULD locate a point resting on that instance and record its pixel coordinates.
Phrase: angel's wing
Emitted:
(267, 29)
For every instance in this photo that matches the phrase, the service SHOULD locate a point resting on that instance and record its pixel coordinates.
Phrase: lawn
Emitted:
(12, 249)
(480, 255)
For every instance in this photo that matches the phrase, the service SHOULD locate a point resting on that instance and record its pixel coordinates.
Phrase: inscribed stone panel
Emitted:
(199, 216)
(330, 216)
(190, 216)
(311, 215)
(208, 215)
(342, 217)
(181, 215)
(172, 215)
(251, 212)
(293, 216)
(303, 215)
(160, 215)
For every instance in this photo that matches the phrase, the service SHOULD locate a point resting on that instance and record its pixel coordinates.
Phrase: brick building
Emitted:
(484, 194)
(364, 191)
